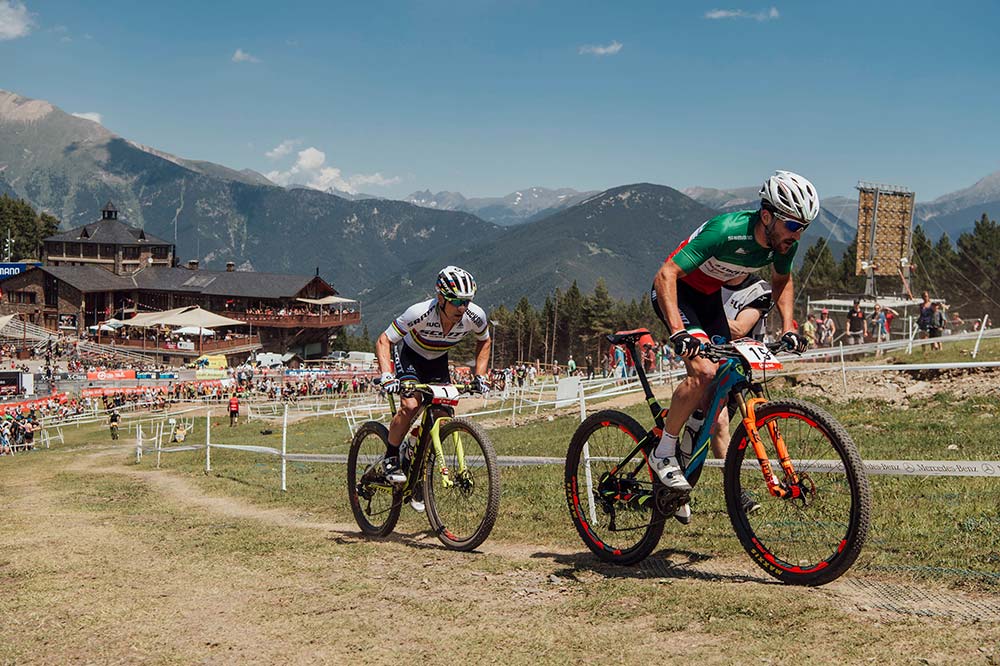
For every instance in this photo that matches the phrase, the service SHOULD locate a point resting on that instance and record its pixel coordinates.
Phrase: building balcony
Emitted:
(186, 348)
(325, 320)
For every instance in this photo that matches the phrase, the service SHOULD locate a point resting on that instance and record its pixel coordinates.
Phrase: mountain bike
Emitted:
(452, 468)
(805, 528)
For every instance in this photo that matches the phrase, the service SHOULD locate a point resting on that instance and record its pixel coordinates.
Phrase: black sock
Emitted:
(391, 451)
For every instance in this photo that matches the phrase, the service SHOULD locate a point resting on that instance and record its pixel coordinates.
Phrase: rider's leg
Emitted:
(720, 436)
(688, 395)
(409, 406)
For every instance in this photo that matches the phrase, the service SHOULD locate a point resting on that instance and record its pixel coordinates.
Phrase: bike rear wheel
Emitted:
(809, 541)
(462, 508)
(375, 502)
(614, 510)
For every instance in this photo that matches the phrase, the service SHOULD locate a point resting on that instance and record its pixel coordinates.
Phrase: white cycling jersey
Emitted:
(420, 329)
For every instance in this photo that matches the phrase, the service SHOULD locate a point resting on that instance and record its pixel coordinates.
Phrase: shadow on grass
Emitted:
(667, 563)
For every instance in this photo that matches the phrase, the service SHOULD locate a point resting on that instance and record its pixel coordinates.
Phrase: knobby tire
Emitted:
(800, 543)
(637, 532)
(367, 448)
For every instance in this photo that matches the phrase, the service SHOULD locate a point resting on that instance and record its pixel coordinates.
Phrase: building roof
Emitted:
(209, 283)
(112, 232)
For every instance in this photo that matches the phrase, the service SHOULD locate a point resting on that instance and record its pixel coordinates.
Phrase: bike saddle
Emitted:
(627, 336)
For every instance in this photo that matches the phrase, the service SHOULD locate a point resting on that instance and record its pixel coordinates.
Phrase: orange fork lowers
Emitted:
(774, 486)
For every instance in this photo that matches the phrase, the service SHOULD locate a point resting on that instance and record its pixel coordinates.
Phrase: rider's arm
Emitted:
(383, 353)
(745, 320)
(483, 355)
(784, 298)
(665, 284)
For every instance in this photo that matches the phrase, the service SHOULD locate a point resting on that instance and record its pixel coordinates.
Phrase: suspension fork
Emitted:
(774, 486)
(435, 433)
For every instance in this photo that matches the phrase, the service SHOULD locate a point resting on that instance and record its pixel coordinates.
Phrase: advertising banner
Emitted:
(10, 270)
(10, 383)
(106, 375)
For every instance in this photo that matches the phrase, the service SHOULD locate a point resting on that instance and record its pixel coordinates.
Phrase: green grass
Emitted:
(920, 524)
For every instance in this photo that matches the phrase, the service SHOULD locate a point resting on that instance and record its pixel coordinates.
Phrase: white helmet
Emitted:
(454, 282)
(792, 195)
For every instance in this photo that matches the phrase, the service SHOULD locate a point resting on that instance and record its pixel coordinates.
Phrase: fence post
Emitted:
(159, 444)
(583, 404)
(284, 444)
(138, 445)
(979, 338)
(913, 334)
(843, 366)
(208, 441)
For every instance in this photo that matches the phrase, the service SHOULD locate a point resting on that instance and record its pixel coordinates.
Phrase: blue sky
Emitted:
(485, 97)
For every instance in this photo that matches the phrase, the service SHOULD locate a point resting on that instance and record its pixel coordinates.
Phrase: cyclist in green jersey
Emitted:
(685, 293)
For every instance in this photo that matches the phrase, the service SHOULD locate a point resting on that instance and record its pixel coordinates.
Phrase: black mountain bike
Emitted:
(811, 503)
(452, 469)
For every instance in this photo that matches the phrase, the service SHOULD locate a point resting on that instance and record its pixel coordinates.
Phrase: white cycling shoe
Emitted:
(683, 514)
(669, 472)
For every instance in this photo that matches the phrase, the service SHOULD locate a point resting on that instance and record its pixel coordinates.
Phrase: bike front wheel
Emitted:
(814, 539)
(374, 501)
(612, 502)
(462, 490)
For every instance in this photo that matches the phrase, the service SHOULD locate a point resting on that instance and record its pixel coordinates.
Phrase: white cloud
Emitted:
(282, 149)
(763, 15)
(15, 21)
(611, 49)
(310, 170)
(243, 56)
(89, 115)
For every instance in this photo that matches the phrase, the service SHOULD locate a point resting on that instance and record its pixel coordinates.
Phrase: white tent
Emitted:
(194, 330)
(106, 328)
(326, 300)
(192, 315)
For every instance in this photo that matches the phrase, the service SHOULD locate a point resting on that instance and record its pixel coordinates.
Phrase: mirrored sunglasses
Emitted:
(458, 302)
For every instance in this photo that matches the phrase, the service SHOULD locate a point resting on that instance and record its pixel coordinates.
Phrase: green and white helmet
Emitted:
(791, 195)
(455, 282)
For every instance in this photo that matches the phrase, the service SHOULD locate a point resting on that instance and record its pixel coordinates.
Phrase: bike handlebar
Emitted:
(720, 352)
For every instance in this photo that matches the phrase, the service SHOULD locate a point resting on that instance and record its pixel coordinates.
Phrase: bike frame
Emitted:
(429, 433)
(732, 377)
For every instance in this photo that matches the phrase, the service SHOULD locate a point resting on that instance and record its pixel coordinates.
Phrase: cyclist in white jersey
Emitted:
(416, 344)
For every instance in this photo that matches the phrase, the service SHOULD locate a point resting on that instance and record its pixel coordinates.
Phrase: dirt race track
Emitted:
(104, 562)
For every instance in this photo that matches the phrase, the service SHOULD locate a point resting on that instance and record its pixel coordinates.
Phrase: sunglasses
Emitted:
(791, 224)
(458, 302)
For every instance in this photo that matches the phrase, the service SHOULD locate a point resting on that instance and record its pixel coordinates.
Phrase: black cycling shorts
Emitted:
(411, 365)
(703, 314)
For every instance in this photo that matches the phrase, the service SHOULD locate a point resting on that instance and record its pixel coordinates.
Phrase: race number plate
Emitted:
(444, 394)
(759, 357)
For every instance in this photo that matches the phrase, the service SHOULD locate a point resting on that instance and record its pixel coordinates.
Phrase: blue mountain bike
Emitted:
(809, 517)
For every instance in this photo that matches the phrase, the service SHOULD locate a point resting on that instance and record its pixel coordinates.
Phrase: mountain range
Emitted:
(527, 205)
(382, 251)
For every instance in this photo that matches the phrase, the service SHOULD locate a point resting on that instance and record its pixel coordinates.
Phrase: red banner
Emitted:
(103, 375)
(14, 407)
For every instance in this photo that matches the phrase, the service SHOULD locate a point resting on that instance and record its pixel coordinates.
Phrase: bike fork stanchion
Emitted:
(284, 449)
(591, 509)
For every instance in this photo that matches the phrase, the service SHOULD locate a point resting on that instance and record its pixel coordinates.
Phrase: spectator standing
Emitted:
(937, 324)
(234, 410)
(857, 326)
(809, 329)
(570, 366)
(879, 324)
(590, 366)
(826, 329)
(924, 318)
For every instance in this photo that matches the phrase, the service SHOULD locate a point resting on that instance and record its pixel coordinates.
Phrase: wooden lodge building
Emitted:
(109, 269)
